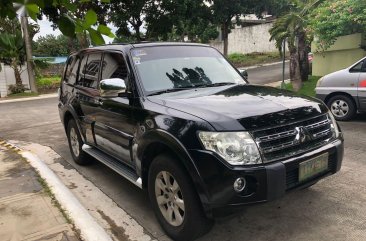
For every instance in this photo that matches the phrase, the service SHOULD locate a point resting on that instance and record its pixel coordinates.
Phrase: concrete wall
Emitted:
(248, 40)
(7, 78)
(345, 51)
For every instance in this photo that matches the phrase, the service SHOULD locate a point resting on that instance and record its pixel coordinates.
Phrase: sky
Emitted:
(45, 28)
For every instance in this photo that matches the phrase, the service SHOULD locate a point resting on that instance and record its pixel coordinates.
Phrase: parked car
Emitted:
(181, 122)
(344, 91)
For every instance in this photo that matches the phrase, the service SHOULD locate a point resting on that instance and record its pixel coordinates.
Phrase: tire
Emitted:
(179, 197)
(75, 144)
(342, 107)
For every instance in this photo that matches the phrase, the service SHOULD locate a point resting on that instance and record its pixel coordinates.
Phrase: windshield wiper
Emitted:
(215, 84)
(169, 90)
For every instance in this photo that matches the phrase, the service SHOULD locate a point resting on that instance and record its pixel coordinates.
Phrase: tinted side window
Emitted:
(81, 70)
(91, 71)
(71, 70)
(357, 67)
(114, 66)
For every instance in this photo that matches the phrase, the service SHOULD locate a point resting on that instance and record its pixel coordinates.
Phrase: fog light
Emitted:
(239, 184)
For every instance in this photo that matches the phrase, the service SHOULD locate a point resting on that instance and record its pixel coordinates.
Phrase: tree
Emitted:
(292, 27)
(12, 53)
(224, 11)
(336, 18)
(86, 17)
(129, 12)
(50, 45)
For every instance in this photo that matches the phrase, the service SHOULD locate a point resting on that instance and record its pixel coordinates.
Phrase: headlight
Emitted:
(319, 83)
(237, 148)
(333, 125)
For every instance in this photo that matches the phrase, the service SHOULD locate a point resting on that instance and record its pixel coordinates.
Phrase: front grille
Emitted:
(296, 138)
(292, 172)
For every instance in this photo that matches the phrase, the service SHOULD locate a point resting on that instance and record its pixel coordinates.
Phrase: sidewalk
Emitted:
(27, 211)
(45, 96)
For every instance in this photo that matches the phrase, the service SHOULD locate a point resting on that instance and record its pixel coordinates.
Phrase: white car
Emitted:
(344, 91)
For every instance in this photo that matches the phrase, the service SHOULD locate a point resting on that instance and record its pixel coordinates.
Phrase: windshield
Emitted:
(180, 67)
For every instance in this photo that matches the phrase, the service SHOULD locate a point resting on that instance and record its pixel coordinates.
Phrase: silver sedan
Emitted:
(344, 91)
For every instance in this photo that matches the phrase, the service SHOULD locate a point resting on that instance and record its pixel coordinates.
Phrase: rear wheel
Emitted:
(75, 144)
(174, 200)
(342, 107)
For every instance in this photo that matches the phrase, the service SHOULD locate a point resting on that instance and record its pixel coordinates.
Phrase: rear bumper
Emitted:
(264, 183)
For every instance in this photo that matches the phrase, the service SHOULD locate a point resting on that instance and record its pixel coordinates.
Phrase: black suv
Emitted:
(180, 121)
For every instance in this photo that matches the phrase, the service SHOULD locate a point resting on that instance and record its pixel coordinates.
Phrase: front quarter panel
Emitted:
(176, 131)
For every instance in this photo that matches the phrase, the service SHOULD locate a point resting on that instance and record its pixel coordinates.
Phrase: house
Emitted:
(7, 78)
(252, 35)
(342, 54)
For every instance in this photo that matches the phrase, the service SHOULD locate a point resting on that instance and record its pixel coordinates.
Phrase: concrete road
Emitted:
(267, 73)
(333, 209)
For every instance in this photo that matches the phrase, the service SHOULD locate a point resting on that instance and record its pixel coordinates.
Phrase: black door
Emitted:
(114, 125)
(87, 93)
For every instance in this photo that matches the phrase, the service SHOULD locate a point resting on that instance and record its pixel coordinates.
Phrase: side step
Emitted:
(114, 164)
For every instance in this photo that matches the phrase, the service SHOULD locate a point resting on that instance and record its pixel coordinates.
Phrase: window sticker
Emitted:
(137, 60)
(139, 52)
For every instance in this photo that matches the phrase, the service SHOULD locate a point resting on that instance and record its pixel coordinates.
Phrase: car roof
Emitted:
(127, 46)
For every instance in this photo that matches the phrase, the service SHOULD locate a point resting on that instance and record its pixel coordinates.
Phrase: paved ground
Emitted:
(26, 209)
(334, 209)
(267, 74)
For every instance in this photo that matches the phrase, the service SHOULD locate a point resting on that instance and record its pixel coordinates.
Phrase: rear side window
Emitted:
(71, 69)
(91, 70)
(114, 66)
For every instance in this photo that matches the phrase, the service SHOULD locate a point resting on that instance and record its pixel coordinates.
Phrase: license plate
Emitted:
(312, 167)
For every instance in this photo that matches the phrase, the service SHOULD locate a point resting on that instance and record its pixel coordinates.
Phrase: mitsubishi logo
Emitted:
(302, 135)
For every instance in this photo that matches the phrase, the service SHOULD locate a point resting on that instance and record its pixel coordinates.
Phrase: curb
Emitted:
(89, 229)
(277, 84)
(46, 96)
(263, 65)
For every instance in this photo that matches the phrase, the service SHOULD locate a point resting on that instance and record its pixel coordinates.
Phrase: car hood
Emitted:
(242, 107)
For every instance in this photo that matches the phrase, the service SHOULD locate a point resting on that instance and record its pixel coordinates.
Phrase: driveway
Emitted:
(333, 209)
(267, 73)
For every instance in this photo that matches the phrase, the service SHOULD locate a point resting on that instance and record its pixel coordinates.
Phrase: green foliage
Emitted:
(308, 87)
(17, 88)
(50, 45)
(70, 17)
(335, 18)
(241, 60)
(11, 48)
(22, 94)
(45, 83)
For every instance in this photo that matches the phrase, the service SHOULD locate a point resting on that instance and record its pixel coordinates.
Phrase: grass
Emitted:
(242, 60)
(308, 87)
(21, 95)
(48, 82)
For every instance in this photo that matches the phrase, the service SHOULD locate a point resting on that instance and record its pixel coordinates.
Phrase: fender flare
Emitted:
(71, 110)
(167, 139)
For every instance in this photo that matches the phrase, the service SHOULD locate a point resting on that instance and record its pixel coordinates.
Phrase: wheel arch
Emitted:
(70, 114)
(159, 141)
(354, 99)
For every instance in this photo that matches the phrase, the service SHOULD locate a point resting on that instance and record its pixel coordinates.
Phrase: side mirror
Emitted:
(112, 87)
(244, 73)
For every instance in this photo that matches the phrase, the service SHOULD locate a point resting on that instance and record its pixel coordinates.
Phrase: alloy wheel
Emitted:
(340, 108)
(169, 198)
(74, 142)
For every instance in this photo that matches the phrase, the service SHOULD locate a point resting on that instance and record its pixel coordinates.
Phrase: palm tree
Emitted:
(291, 27)
(11, 52)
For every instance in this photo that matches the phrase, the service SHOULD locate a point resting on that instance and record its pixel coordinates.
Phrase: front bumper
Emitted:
(264, 183)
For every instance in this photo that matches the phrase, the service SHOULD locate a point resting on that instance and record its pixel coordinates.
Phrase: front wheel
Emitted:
(174, 200)
(342, 107)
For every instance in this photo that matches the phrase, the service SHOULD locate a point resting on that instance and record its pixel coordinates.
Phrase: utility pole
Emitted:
(28, 50)
(283, 63)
